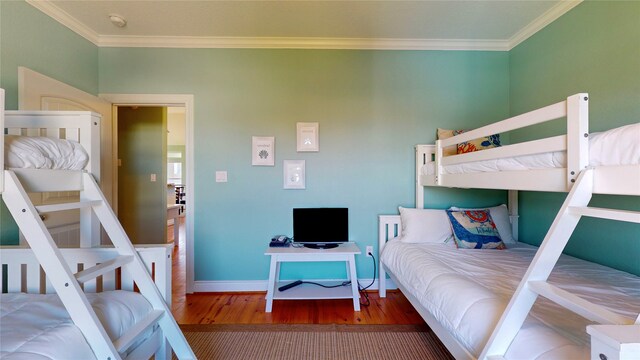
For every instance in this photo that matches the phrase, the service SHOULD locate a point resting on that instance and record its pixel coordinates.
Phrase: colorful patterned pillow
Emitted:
(474, 229)
(486, 142)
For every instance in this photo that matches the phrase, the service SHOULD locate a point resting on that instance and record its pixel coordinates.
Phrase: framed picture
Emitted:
(263, 151)
(294, 177)
(307, 137)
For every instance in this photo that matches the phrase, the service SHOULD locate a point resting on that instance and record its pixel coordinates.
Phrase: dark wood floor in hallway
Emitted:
(248, 307)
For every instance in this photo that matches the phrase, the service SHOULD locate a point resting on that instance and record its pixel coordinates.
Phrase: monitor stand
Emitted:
(321, 246)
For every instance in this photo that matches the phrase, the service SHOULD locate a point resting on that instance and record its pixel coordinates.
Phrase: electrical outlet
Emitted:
(369, 250)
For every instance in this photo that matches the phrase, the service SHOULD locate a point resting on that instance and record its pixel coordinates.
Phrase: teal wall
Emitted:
(594, 48)
(32, 39)
(372, 107)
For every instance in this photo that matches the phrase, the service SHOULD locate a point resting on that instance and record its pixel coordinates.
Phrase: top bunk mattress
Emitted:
(36, 326)
(467, 291)
(36, 152)
(619, 146)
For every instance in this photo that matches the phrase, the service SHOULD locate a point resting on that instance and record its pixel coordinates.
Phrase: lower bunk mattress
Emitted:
(36, 326)
(467, 290)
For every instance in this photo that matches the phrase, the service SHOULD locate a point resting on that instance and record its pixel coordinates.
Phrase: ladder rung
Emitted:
(620, 215)
(103, 268)
(578, 305)
(67, 206)
(132, 334)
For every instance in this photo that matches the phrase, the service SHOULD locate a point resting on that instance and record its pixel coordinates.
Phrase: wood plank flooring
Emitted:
(248, 307)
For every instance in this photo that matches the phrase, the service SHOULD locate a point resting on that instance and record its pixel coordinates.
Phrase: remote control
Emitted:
(289, 286)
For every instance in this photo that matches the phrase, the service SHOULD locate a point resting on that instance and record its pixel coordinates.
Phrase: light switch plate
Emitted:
(153, 177)
(221, 176)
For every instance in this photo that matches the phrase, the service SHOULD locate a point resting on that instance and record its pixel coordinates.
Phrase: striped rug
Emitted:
(317, 342)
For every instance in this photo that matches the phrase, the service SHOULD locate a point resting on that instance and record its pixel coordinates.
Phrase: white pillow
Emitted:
(500, 216)
(424, 225)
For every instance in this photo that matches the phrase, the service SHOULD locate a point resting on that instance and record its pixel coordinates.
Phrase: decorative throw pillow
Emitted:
(500, 216)
(445, 134)
(474, 229)
(424, 225)
(483, 143)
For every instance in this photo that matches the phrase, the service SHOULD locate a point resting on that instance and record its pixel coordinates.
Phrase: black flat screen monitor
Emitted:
(321, 228)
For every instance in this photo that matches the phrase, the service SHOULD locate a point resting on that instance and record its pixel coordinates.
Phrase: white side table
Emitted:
(345, 252)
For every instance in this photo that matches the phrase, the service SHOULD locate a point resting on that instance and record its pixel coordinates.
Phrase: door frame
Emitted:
(186, 101)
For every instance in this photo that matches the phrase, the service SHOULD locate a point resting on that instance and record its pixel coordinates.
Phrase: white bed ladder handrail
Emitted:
(535, 283)
(67, 284)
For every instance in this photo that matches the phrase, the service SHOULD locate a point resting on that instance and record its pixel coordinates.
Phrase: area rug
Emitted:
(315, 342)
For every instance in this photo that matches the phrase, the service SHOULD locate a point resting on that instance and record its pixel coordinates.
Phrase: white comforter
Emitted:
(36, 152)
(467, 291)
(38, 327)
(619, 146)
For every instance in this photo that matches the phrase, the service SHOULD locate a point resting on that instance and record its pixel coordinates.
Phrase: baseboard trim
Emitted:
(261, 285)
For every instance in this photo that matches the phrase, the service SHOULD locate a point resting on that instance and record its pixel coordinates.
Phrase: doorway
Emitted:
(186, 102)
(142, 157)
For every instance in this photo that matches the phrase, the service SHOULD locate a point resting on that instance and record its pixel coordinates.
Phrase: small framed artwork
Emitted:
(263, 150)
(307, 137)
(294, 177)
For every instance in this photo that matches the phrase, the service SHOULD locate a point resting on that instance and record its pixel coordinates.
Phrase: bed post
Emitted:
(419, 188)
(577, 136)
(513, 212)
(424, 155)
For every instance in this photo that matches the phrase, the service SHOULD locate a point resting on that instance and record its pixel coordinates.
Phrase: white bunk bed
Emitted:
(110, 321)
(501, 330)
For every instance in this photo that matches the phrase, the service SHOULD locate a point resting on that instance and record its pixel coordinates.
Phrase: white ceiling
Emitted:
(396, 24)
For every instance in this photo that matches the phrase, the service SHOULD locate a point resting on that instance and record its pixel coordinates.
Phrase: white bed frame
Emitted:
(25, 275)
(99, 265)
(580, 180)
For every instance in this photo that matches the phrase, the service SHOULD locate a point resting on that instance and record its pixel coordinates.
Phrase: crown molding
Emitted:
(300, 43)
(81, 29)
(65, 19)
(543, 20)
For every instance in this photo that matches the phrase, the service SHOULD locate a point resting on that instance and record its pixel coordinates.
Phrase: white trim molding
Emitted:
(203, 42)
(261, 285)
(186, 100)
(540, 22)
(64, 18)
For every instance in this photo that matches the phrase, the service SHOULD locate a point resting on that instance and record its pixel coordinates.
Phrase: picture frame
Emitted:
(263, 151)
(307, 137)
(294, 174)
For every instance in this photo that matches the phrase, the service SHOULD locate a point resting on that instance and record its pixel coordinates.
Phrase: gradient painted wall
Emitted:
(372, 107)
(32, 39)
(594, 48)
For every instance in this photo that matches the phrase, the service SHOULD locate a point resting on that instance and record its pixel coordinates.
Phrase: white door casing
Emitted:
(179, 100)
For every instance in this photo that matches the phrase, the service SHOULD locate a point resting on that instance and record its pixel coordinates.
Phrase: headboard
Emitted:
(80, 126)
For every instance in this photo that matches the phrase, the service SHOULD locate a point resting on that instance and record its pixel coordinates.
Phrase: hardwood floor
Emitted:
(248, 307)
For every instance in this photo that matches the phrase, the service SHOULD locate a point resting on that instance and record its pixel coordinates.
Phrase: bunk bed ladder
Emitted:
(68, 285)
(535, 283)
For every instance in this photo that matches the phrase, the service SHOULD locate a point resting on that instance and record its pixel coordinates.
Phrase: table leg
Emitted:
(274, 271)
(354, 282)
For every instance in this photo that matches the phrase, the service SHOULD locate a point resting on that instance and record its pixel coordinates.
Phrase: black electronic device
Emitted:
(320, 228)
(279, 241)
(290, 285)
